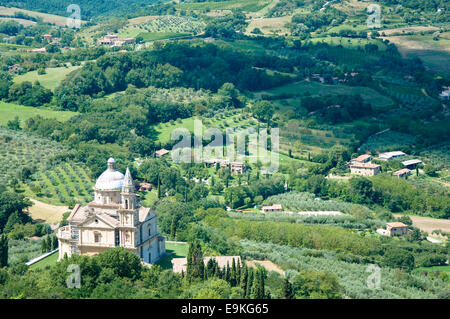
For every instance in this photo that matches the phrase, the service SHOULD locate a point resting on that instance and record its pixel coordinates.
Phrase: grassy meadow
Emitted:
(8, 111)
(50, 80)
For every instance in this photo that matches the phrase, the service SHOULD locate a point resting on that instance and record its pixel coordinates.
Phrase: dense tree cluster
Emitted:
(201, 66)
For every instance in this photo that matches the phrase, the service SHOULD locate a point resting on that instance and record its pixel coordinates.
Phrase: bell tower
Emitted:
(129, 216)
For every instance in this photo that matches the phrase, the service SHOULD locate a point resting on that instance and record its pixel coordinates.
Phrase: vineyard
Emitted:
(66, 183)
(163, 24)
(23, 151)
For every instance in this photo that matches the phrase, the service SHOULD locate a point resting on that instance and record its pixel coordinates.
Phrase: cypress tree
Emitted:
(288, 292)
(217, 271)
(233, 277)
(159, 188)
(3, 251)
(244, 280)
(54, 242)
(257, 291)
(195, 266)
(173, 229)
(43, 245)
(49, 243)
(249, 283)
(228, 273)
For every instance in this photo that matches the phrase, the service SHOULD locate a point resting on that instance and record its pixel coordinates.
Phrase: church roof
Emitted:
(111, 179)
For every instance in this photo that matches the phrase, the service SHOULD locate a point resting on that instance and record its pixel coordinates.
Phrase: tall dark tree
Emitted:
(195, 266)
(288, 291)
(3, 251)
(244, 280)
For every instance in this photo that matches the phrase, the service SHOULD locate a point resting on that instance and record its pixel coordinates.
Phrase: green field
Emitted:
(47, 261)
(50, 80)
(173, 250)
(318, 89)
(8, 111)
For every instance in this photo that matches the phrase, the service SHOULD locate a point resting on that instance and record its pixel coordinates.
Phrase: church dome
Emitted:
(111, 179)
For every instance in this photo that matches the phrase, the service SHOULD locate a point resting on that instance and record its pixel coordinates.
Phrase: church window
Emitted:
(97, 237)
(126, 204)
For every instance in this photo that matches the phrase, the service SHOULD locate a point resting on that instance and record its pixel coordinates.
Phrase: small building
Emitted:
(162, 152)
(365, 169)
(387, 156)
(411, 164)
(390, 155)
(362, 159)
(396, 229)
(275, 208)
(145, 187)
(403, 173)
(48, 37)
(180, 264)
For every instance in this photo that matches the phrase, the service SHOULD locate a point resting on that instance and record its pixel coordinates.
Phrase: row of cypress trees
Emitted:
(49, 243)
(251, 281)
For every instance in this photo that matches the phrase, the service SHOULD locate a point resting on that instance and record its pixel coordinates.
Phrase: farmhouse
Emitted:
(362, 159)
(48, 37)
(411, 164)
(275, 208)
(396, 229)
(390, 155)
(235, 167)
(365, 169)
(180, 264)
(114, 40)
(161, 152)
(402, 173)
(114, 218)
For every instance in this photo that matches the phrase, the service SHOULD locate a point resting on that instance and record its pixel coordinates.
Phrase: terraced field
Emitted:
(21, 150)
(66, 183)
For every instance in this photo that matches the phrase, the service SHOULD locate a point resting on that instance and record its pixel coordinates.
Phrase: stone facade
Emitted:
(114, 218)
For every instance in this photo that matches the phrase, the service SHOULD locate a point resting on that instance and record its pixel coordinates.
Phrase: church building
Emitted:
(114, 218)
